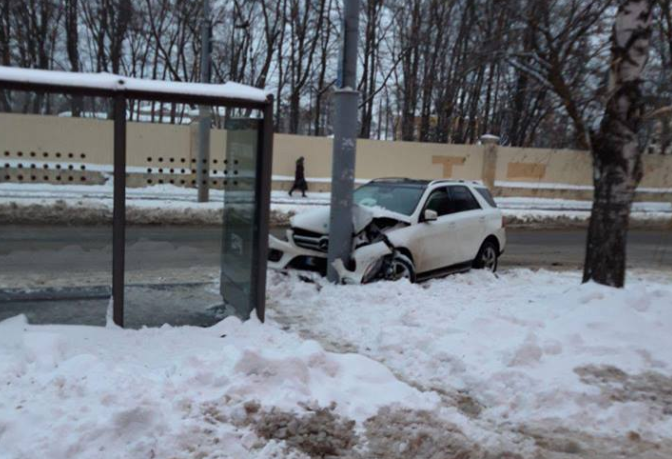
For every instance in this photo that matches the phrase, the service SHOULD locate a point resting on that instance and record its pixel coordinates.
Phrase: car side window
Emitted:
(439, 202)
(487, 196)
(462, 199)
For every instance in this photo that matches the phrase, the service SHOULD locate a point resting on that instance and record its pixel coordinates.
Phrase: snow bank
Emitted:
(568, 186)
(90, 392)
(31, 203)
(523, 348)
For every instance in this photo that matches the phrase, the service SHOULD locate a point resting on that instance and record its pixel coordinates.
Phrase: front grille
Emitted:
(311, 241)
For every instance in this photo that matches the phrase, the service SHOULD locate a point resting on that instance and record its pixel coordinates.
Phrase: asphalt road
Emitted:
(566, 249)
(172, 271)
(61, 249)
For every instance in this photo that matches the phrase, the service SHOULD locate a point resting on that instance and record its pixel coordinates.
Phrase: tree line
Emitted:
(532, 72)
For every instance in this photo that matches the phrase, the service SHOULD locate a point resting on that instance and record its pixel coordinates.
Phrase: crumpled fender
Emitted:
(317, 220)
(365, 257)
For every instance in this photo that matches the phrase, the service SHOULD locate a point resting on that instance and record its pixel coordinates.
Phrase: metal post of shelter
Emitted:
(263, 209)
(119, 211)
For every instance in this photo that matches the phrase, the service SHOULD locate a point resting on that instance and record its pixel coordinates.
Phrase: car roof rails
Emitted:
(469, 182)
(398, 180)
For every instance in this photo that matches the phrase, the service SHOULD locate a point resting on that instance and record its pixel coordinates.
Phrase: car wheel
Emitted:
(487, 257)
(400, 267)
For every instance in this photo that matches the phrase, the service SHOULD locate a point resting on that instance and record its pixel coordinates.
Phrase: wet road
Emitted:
(55, 249)
(566, 249)
(172, 272)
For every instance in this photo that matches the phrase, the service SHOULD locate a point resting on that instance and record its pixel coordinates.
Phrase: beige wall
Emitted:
(545, 166)
(375, 159)
(166, 152)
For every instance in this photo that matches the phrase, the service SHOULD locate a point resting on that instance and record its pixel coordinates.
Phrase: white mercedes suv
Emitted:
(402, 228)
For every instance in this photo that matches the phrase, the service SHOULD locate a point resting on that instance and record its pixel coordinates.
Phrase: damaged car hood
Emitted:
(317, 221)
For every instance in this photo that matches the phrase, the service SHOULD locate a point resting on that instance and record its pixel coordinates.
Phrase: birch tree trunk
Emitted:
(617, 156)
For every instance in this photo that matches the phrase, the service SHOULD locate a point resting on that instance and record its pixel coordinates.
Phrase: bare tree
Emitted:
(72, 46)
(560, 57)
(432, 70)
(616, 151)
(5, 53)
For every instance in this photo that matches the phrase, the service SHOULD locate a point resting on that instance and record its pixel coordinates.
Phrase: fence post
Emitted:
(489, 171)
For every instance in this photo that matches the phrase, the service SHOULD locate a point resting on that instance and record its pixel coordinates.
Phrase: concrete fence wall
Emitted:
(52, 149)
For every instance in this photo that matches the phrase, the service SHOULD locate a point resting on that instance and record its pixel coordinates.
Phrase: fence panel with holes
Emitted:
(76, 150)
(163, 150)
(54, 149)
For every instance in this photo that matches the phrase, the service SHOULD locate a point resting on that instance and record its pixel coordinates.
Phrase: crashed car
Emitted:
(402, 228)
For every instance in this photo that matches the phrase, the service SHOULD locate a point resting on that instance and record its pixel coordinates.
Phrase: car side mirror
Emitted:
(430, 216)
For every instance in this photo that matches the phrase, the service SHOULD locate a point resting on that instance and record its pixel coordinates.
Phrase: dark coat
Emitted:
(299, 174)
(300, 177)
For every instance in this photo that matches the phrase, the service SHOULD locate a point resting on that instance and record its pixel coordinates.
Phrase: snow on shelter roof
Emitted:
(117, 83)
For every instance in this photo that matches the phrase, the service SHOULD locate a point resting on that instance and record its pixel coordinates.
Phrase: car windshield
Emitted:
(399, 198)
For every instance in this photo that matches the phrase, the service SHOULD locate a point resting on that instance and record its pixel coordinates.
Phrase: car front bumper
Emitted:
(285, 254)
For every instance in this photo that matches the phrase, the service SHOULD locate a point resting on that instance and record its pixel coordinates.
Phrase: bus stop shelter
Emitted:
(246, 203)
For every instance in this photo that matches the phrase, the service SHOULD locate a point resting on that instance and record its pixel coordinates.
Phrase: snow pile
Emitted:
(158, 204)
(29, 203)
(519, 349)
(90, 392)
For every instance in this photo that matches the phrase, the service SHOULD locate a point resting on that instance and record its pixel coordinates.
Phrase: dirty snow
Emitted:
(519, 349)
(86, 392)
(520, 365)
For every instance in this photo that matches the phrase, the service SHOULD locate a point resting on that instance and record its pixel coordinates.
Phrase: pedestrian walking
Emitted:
(299, 178)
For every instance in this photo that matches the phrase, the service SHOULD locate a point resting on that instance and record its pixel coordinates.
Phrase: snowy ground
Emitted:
(524, 364)
(520, 352)
(85, 392)
(44, 203)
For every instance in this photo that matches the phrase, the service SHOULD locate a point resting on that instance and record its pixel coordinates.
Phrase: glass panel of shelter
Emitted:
(56, 254)
(240, 211)
(184, 265)
(178, 250)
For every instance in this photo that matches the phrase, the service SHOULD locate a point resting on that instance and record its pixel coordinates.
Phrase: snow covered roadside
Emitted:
(159, 204)
(519, 351)
(526, 365)
(87, 392)
(168, 204)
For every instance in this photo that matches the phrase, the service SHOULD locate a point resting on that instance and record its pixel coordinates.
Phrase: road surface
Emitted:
(172, 271)
(26, 249)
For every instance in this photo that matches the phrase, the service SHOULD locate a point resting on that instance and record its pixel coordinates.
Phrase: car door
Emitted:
(469, 223)
(435, 240)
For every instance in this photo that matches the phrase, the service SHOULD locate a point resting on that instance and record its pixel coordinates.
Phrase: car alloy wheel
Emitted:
(400, 267)
(488, 257)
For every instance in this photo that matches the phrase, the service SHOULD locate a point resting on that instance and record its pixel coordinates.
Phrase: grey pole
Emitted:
(119, 211)
(204, 115)
(345, 144)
